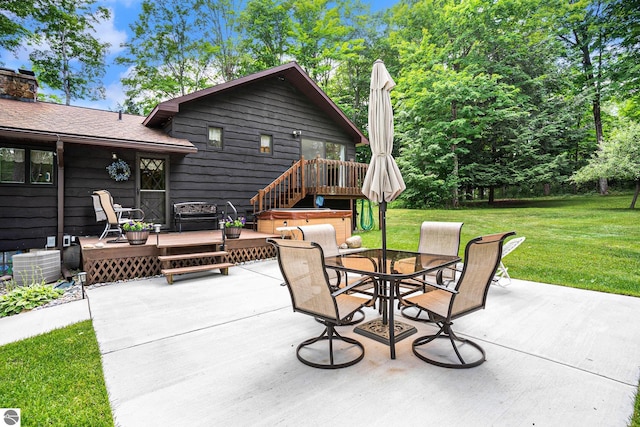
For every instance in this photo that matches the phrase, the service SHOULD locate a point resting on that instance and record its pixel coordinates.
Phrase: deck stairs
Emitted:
(191, 260)
(318, 177)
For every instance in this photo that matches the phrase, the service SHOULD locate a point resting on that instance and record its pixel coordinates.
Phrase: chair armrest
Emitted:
(349, 287)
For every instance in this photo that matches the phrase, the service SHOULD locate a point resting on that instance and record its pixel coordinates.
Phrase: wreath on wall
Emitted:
(119, 170)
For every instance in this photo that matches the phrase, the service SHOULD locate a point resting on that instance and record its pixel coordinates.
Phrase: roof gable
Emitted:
(291, 72)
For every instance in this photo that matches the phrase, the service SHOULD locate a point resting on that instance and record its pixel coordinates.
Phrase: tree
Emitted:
(12, 28)
(73, 58)
(266, 25)
(587, 29)
(619, 158)
(167, 55)
(221, 40)
(321, 37)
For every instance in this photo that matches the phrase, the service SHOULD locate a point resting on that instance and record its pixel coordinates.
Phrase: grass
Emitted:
(582, 242)
(56, 379)
(586, 242)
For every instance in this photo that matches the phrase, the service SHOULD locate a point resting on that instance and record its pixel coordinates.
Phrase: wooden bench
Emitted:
(169, 271)
(195, 211)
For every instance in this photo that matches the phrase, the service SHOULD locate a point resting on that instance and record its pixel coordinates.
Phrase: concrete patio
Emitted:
(220, 350)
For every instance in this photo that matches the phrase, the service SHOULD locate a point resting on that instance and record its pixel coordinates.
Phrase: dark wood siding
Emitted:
(237, 171)
(29, 212)
(85, 172)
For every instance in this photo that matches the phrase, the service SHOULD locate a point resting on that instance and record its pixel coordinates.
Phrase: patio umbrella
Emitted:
(383, 182)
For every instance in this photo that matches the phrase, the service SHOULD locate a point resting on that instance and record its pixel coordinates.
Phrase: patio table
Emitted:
(400, 265)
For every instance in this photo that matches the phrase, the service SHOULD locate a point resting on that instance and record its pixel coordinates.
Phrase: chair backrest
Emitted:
(302, 266)
(322, 234)
(481, 259)
(443, 238)
(106, 202)
(97, 207)
(440, 237)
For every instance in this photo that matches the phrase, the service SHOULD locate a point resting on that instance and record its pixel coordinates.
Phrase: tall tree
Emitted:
(72, 59)
(266, 25)
(166, 53)
(221, 40)
(585, 27)
(321, 37)
(459, 104)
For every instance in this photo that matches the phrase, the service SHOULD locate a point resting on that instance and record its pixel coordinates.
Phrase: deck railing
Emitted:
(330, 178)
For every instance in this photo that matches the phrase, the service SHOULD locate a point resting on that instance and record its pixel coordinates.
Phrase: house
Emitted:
(227, 143)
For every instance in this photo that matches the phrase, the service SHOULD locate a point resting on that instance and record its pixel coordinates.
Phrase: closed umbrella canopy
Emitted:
(383, 181)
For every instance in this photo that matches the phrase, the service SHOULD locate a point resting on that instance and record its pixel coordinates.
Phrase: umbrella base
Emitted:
(377, 330)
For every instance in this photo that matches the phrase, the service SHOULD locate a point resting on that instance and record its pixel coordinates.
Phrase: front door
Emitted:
(153, 182)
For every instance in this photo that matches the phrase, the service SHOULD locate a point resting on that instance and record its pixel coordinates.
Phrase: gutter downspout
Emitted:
(60, 185)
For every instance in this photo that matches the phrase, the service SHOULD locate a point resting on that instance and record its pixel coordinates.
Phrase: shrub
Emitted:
(27, 298)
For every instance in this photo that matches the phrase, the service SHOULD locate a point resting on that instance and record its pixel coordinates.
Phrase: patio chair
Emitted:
(303, 269)
(325, 236)
(112, 213)
(436, 237)
(502, 277)
(443, 305)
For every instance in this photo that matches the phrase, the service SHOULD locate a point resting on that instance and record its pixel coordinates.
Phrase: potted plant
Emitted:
(137, 232)
(233, 227)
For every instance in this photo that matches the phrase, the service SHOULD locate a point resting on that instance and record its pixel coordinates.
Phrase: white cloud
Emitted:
(107, 32)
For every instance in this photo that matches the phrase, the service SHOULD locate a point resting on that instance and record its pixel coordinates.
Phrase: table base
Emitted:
(377, 330)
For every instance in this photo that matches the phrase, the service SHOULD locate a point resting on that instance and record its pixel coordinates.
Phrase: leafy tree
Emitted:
(12, 27)
(588, 30)
(619, 158)
(167, 55)
(221, 39)
(266, 25)
(321, 37)
(73, 58)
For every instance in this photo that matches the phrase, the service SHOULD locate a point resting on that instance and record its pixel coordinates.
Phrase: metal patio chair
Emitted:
(325, 236)
(303, 269)
(436, 237)
(443, 305)
(113, 214)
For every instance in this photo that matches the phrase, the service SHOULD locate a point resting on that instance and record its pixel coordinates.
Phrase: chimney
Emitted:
(22, 86)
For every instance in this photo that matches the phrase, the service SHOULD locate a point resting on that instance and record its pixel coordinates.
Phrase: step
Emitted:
(193, 255)
(170, 272)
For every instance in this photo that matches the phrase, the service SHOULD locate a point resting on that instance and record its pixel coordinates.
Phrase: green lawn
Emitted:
(583, 242)
(56, 379)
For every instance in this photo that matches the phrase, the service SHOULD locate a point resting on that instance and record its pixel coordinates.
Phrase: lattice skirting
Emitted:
(115, 269)
(112, 270)
(237, 256)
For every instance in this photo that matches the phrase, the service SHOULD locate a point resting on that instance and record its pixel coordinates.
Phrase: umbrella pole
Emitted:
(383, 230)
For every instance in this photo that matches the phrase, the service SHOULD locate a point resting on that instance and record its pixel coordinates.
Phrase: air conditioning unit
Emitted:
(34, 267)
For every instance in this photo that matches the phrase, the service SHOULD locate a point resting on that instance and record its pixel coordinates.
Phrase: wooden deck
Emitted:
(121, 261)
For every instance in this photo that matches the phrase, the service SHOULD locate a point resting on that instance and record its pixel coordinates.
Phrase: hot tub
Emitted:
(270, 221)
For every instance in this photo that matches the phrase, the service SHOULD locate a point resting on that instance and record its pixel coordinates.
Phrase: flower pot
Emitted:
(137, 237)
(232, 232)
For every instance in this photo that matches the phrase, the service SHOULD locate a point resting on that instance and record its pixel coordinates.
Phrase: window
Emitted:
(215, 137)
(266, 144)
(13, 166)
(325, 150)
(41, 167)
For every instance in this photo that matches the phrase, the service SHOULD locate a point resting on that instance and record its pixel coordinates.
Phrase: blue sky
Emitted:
(116, 31)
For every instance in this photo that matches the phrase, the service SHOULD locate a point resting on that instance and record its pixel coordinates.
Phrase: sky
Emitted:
(115, 32)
